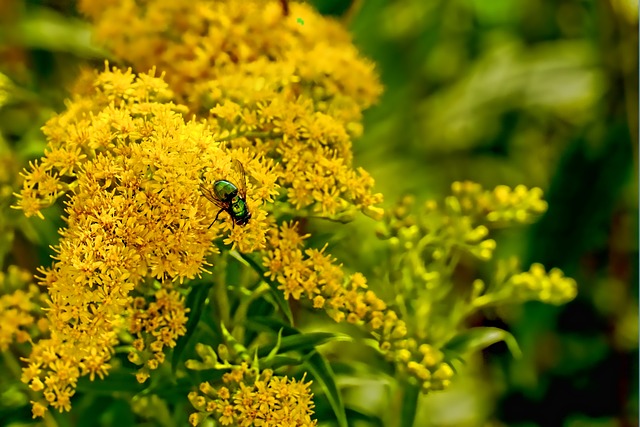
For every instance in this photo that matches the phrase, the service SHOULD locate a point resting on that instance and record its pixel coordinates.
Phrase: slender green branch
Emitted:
(280, 300)
(220, 291)
(241, 312)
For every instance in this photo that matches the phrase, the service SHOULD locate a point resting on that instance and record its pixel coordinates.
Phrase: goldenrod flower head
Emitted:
(38, 409)
(314, 275)
(501, 205)
(292, 93)
(157, 325)
(199, 41)
(255, 398)
(312, 148)
(132, 170)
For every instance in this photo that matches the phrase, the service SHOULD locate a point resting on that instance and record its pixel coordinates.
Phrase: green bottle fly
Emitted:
(229, 197)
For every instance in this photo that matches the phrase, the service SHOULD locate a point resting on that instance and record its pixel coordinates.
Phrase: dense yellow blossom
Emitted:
(312, 148)
(156, 325)
(252, 398)
(196, 41)
(132, 169)
(314, 275)
(293, 93)
(20, 308)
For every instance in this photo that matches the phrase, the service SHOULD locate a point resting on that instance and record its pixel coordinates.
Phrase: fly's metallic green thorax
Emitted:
(230, 197)
(240, 211)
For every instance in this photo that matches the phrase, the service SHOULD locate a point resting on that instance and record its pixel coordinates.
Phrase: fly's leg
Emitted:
(217, 215)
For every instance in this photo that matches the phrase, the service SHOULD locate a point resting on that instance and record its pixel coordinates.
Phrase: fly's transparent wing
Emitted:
(241, 178)
(210, 196)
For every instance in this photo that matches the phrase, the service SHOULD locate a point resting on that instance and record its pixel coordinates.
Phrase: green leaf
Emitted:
(409, 404)
(274, 350)
(236, 348)
(270, 324)
(44, 28)
(317, 365)
(275, 293)
(278, 298)
(303, 342)
(195, 302)
(354, 414)
(116, 381)
(476, 339)
(279, 361)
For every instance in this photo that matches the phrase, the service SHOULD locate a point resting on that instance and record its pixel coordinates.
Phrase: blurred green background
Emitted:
(535, 92)
(542, 93)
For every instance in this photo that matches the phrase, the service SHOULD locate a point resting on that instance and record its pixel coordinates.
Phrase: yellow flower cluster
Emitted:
(157, 325)
(312, 149)
(461, 222)
(290, 92)
(132, 169)
(313, 275)
(252, 398)
(425, 251)
(502, 205)
(515, 286)
(552, 287)
(196, 41)
(20, 307)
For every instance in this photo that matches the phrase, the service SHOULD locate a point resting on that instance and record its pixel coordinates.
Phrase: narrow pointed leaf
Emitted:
(279, 361)
(324, 378)
(270, 324)
(195, 302)
(303, 342)
(409, 405)
(275, 294)
(476, 339)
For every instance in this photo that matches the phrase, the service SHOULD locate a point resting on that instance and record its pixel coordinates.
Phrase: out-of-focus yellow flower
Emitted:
(425, 250)
(132, 169)
(502, 206)
(515, 286)
(20, 308)
(199, 41)
(254, 398)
